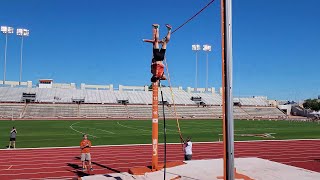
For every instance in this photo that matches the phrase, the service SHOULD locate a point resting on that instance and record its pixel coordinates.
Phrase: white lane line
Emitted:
(31, 173)
(101, 158)
(80, 131)
(9, 167)
(208, 142)
(243, 151)
(142, 158)
(52, 178)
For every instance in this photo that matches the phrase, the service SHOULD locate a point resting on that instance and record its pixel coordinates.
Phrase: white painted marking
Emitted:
(9, 167)
(155, 147)
(132, 127)
(176, 132)
(80, 131)
(110, 132)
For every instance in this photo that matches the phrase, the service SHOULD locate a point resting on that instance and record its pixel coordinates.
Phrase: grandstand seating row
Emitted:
(57, 95)
(36, 111)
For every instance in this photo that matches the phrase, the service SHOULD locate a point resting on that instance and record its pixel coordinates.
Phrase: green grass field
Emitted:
(68, 133)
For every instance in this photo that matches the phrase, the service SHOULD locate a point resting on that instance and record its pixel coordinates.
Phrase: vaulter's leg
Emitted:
(155, 58)
(155, 36)
(166, 40)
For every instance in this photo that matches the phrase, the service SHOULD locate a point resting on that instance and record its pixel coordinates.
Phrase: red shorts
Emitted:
(157, 70)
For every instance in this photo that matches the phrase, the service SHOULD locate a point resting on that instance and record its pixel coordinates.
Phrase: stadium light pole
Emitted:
(22, 33)
(207, 49)
(6, 30)
(196, 48)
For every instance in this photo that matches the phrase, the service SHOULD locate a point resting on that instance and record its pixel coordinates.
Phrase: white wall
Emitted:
(45, 85)
(285, 107)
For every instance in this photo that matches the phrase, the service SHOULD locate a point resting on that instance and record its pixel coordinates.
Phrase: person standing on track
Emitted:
(85, 146)
(188, 149)
(13, 134)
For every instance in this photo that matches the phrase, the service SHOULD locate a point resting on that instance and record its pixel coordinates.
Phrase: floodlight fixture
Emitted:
(22, 32)
(7, 29)
(206, 48)
(196, 47)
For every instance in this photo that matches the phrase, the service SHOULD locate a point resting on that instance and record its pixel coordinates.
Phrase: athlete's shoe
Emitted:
(163, 77)
(169, 27)
(83, 169)
(156, 26)
(91, 169)
(154, 79)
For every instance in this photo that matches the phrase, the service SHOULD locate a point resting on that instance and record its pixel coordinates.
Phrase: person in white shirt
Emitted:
(187, 149)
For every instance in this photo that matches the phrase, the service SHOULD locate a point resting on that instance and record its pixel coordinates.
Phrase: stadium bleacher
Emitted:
(115, 111)
(59, 95)
(61, 103)
(8, 111)
(103, 111)
(265, 112)
(50, 111)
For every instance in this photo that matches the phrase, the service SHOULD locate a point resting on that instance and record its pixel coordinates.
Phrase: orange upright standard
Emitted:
(155, 118)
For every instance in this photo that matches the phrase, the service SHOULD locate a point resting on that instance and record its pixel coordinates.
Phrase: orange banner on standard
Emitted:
(155, 118)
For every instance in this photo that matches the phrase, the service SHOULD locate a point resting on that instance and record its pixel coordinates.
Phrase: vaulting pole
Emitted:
(227, 97)
(155, 126)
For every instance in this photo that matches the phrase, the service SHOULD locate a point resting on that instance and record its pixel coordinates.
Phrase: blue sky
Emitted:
(276, 43)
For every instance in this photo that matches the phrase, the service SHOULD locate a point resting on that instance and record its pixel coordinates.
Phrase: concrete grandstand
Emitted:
(49, 100)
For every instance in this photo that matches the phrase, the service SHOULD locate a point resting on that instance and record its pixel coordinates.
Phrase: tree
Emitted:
(312, 104)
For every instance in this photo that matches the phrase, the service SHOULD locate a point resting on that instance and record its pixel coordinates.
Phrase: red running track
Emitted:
(64, 163)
